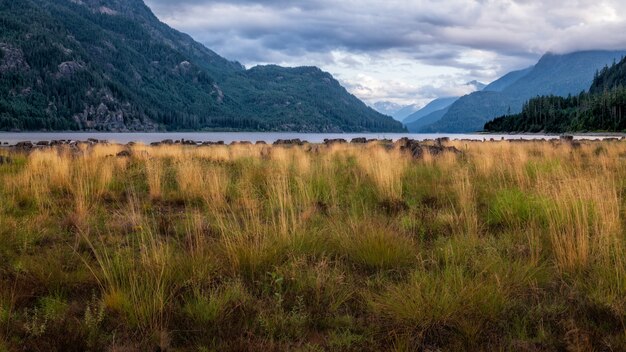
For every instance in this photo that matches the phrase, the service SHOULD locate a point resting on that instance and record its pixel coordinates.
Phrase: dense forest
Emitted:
(112, 65)
(602, 108)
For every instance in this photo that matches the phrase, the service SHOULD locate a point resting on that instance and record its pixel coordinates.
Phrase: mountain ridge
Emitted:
(111, 65)
(601, 109)
(434, 105)
(559, 74)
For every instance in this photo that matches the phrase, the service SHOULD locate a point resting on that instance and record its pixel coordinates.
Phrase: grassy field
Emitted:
(507, 246)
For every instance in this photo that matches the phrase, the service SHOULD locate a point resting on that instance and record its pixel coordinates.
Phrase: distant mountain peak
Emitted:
(476, 84)
(398, 111)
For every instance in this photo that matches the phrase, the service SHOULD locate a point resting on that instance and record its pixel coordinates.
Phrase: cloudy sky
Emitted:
(404, 51)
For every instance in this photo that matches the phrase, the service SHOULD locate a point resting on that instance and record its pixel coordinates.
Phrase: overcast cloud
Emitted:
(407, 51)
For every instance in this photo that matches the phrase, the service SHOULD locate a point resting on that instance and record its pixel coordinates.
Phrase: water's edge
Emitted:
(11, 138)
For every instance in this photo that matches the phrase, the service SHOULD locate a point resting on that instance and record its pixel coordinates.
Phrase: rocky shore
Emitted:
(413, 147)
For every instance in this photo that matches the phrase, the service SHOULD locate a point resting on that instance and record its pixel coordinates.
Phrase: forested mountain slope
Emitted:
(603, 108)
(112, 65)
(558, 75)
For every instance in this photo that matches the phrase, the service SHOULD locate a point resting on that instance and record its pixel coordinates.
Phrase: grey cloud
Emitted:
(483, 38)
(515, 28)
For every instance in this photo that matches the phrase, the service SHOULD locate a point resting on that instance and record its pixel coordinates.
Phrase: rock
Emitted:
(69, 68)
(124, 154)
(261, 142)
(417, 150)
(404, 142)
(155, 144)
(335, 141)
(437, 150)
(24, 146)
(359, 140)
(12, 59)
(567, 138)
(443, 140)
(167, 142)
(213, 143)
(296, 141)
(188, 142)
(43, 143)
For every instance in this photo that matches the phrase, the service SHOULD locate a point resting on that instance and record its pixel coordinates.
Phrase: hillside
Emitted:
(429, 108)
(416, 126)
(112, 65)
(602, 109)
(506, 80)
(558, 75)
(398, 111)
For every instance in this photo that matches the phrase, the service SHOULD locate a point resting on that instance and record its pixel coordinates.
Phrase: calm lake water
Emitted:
(10, 138)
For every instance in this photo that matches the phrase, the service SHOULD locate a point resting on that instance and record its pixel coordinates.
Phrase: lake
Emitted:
(10, 138)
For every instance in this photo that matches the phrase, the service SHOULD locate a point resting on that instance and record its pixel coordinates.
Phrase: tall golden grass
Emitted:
(345, 247)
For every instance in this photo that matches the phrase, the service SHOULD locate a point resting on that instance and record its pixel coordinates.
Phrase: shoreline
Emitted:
(8, 139)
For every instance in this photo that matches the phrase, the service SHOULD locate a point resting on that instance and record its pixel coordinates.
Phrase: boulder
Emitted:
(335, 141)
(417, 150)
(213, 143)
(296, 141)
(442, 140)
(24, 146)
(359, 140)
(43, 143)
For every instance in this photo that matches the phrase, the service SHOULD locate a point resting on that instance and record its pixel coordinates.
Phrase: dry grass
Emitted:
(507, 246)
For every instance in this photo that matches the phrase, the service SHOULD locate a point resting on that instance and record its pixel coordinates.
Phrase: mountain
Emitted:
(478, 86)
(112, 65)
(554, 74)
(407, 110)
(397, 111)
(506, 80)
(386, 107)
(603, 108)
(417, 125)
(431, 107)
